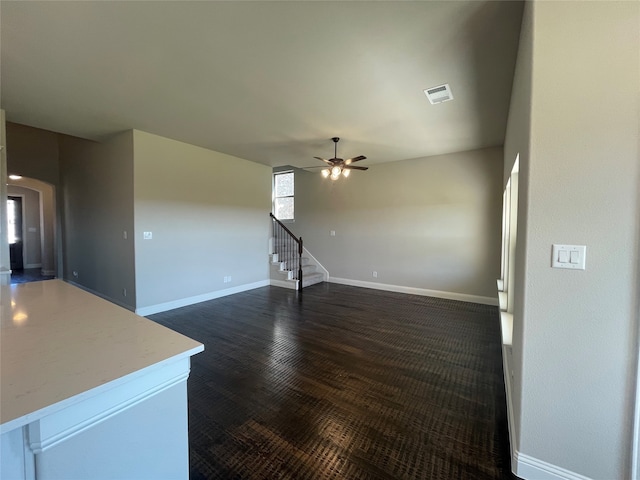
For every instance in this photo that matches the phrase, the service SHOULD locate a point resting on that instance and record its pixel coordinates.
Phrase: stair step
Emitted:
(312, 279)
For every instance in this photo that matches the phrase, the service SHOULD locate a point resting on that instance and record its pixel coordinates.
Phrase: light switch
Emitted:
(574, 256)
(569, 256)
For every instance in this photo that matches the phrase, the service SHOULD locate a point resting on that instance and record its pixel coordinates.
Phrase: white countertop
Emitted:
(58, 341)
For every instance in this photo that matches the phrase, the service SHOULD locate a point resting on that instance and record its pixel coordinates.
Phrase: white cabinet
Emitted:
(115, 410)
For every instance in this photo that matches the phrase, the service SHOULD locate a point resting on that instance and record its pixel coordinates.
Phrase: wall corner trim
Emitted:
(463, 297)
(530, 468)
(183, 302)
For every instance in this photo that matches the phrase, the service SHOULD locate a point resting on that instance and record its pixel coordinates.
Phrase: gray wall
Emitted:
(431, 223)
(34, 154)
(575, 123)
(209, 216)
(97, 181)
(31, 224)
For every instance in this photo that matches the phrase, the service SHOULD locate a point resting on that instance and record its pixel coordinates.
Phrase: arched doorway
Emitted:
(38, 232)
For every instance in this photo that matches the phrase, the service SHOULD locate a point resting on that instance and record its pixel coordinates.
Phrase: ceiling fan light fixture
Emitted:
(338, 166)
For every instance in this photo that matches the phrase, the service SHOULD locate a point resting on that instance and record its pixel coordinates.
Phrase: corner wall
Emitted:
(431, 224)
(35, 154)
(517, 145)
(209, 217)
(576, 331)
(97, 183)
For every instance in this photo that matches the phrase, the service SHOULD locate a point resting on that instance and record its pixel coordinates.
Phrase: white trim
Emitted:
(40, 441)
(315, 261)
(506, 327)
(463, 297)
(635, 439)
(183, 302)
(528, 467)
(507, 360)
(502, 301)
(48, 272)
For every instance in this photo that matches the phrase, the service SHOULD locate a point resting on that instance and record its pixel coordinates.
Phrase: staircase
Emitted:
(288, 262)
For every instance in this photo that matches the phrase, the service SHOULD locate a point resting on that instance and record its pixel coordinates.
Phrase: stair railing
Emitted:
(289, 249)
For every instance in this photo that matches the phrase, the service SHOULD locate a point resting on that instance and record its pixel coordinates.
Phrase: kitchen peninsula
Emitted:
(89, 390)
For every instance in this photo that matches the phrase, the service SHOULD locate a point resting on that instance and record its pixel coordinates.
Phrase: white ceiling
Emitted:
(270, 82)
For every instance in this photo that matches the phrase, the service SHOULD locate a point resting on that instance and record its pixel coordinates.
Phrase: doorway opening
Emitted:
(14, 232)
(31, 218)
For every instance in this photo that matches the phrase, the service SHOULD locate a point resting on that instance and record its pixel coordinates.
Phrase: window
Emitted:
(283, 195)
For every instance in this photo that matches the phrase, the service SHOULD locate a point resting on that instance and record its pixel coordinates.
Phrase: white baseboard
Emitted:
(183, 302)
(530, 468)
(463, 297)
(48, 272)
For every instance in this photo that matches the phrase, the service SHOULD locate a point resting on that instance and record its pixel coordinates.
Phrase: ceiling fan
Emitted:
(339, 166)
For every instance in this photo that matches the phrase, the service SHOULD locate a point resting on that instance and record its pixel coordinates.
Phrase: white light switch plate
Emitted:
(569, 256)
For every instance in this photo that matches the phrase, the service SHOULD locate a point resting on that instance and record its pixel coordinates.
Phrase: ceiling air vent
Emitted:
(439, 94)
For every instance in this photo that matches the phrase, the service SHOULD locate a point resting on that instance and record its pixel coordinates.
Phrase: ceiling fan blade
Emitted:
(351, 167)
(324, 160)
(354, 159)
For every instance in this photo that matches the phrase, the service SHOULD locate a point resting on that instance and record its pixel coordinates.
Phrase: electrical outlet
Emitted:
(124, 234)
(124, 292)
(147, 235)
(75, 273)
(375, 274)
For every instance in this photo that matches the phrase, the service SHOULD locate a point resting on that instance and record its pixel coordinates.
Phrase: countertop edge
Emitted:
(98, 390)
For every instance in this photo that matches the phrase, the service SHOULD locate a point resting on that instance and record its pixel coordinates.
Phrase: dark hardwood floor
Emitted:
(343, 382)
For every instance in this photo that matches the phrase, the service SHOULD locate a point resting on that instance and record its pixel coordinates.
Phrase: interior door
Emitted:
(14, 230)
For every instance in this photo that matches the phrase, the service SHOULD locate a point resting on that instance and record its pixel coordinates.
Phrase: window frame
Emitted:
(275, 197)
